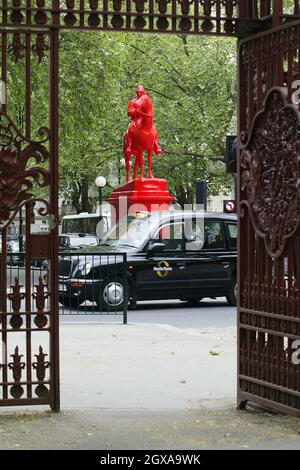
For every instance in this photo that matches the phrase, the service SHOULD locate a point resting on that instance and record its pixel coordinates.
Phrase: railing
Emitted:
(194, 17)
(93, 284)
(89, 284)
(265, 8)
(219, 17)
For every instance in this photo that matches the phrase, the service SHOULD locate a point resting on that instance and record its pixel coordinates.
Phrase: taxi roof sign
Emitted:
(141, 215)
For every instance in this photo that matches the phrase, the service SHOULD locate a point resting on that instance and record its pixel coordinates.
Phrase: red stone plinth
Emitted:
(144, 194)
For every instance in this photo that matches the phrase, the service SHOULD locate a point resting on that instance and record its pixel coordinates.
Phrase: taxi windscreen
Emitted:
(131, 231)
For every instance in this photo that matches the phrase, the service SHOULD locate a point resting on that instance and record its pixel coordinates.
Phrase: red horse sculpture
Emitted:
(141, 136)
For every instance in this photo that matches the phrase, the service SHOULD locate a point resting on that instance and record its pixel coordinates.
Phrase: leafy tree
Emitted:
(193, 86)
(192, 83)
(90, 65)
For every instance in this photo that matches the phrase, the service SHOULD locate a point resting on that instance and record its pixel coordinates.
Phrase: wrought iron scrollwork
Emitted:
(270, 163)
(40, 366)
(196, 16)
(16, 179)
(40, 297)
(16, 298)
(17, 365)
(17, 47)
(41, 47)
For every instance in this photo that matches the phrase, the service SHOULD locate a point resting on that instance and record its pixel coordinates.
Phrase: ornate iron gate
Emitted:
(269, 277)
(29, 188)
(269, 250)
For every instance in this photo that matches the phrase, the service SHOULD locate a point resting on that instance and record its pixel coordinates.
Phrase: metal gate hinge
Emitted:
(52, 222)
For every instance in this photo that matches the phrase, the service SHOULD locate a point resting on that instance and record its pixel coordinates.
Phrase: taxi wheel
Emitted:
(112, 295)
(232, 294)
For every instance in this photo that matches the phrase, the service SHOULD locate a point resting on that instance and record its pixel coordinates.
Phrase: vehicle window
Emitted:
(129, 232)
(63, 241)
(83, 241)
(194, 235)
(80, 224)
(232, 231)
(171, 235)
(214, 237)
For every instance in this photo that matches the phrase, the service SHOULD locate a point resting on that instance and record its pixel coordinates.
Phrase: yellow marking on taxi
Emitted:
(141, 215)
(162, 269)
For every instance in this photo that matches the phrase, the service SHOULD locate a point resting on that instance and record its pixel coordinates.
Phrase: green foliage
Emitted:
(89, 88)
(192, 84)
(288, 6)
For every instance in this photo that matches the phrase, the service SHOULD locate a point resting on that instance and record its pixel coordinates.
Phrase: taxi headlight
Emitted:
(86, 268)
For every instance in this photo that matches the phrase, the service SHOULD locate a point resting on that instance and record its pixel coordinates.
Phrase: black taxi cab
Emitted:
(184, 255)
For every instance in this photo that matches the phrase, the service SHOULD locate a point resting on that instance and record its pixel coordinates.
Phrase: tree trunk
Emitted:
(85, 203)
(80, 197)
(76, 198)
(184, 195)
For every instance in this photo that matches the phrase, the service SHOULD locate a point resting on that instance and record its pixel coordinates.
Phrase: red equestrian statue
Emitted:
(140, 194)
(141, 136)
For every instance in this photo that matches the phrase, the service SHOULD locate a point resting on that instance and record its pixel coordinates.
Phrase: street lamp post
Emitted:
(100, 183)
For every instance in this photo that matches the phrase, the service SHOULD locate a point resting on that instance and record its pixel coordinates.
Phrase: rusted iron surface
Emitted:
(269, 312)
(219, 17)
(269, 277)
(28, 166)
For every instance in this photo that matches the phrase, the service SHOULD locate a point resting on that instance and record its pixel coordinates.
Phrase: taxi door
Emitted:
(209, 263)
(162, 275)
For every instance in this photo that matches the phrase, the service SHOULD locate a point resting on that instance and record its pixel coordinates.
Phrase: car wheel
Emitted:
(70, 302)
(232, 294)
(112, 295)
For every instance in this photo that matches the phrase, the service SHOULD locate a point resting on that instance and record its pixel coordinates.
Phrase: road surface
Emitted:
(207, 314)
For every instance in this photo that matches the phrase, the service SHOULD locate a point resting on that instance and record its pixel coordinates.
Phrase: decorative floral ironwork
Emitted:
(40, 367)
(94, 4)
(117, 5)
(40, 16)
(40, 297)
(270, 172)
(163, 5)
(269, 284)
(16, 16)
(207, 6)
(139, 5)
(16, 180)
(40, 47)
(93, 20)
(216, 16)
(16, 366)
(16, 298)
(185, 6)
(17, 47)
(229, 6)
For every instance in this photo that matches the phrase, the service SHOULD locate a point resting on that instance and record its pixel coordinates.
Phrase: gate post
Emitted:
(247, 10)
(269, 222)
(54, 69)
(277, 12)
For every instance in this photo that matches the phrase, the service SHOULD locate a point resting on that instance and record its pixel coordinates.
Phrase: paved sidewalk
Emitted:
(147, 386)
(146, 366)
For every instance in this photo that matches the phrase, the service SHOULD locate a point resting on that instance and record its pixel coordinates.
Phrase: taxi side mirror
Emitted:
(156, 248)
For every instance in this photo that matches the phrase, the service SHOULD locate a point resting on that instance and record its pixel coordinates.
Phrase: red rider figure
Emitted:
(141, 134)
